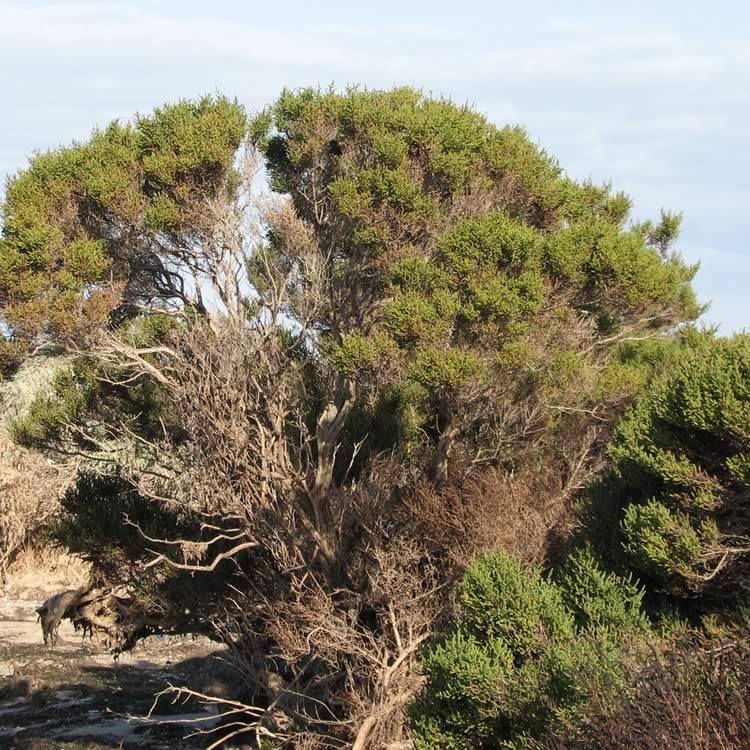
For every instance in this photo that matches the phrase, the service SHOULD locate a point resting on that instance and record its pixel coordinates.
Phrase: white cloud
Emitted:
(84, 32)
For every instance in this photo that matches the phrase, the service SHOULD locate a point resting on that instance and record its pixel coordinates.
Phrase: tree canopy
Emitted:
(324, 400)
(91, 227)
(461, 253)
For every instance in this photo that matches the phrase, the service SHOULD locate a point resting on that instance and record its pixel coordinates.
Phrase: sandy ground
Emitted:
(76, 697)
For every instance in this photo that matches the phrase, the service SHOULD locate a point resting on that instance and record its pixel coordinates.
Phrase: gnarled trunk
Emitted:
(330, 425)
(439, 469)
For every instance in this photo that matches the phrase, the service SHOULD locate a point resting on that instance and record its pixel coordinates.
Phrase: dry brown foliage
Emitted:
(490, 512)
(30, 485)
(45, 568)
(27, 499)
(697, 698)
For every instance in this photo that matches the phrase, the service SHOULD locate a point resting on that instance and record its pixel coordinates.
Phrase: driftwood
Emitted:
(116, 618)
(52, 612)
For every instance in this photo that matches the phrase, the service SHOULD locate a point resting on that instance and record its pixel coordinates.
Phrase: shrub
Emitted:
(29, 489)
(673, 508)
(600, 599)
(30, 485)
(92, 523)
(696, 698)
(526, 653)
(63, 264)
(426, 271)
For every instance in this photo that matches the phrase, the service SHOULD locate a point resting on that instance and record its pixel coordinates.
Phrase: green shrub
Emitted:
(86, 395)
(600, 599)
(520, 607)
(92, 523)
(471, 245)
(526, 653)
(673, 509)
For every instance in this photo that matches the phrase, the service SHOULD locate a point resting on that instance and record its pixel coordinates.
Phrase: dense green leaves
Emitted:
(88, 226)
(680, 487)
(599, 599)
(526, 654)
(85, 397)
(465, 242)
(501, 600)
(92, 519)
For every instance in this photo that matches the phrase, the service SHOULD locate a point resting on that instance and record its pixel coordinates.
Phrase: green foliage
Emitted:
(86, 395)
(103, 518)
(92, 523)
(635, 365)
(675, 500)
(662, 235)
(659, 541)
(501, 600)
(526, 654)
(189, 142)
(440, 370)
(464, 675)
(599, 598)
(453, 142)
(49, 414)
(473, 244)
(357, 353)
(78, 224)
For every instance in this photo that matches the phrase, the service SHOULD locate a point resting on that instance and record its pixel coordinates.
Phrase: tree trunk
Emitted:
(442, 451)
(330, 425)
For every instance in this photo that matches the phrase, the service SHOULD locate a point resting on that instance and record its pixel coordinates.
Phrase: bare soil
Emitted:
(76, 697)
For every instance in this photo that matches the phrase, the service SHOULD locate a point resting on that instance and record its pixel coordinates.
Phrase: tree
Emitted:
(115, 221)
(427, 296)
(460, 252)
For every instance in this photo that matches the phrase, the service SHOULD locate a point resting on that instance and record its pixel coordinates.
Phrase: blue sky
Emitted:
(654, 97)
